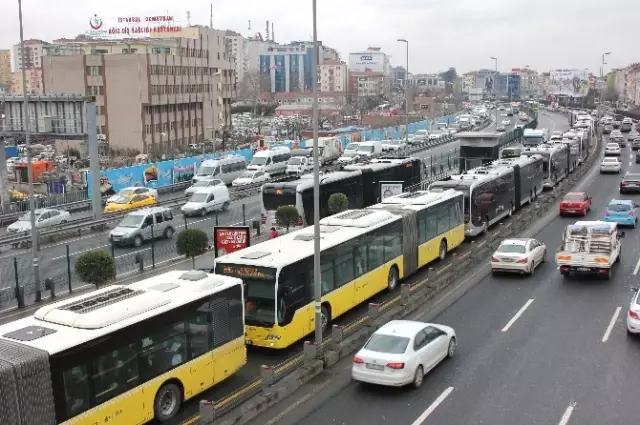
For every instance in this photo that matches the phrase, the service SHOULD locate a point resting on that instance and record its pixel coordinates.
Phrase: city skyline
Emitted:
(476, 31)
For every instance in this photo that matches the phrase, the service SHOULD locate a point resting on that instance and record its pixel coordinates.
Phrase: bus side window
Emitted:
(76, 389)
(375, 249)
(360, 257)
(114, 373)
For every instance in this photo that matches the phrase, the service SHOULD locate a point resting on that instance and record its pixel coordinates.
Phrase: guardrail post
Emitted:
(337, 336)
(244, 215)
(113, 249)
(207, 412)
(153, 248)
(310, 353)
(139, 261)
(268, 378)
(68, 256)
(50, 285)
(217, 218)
(405, 292)
(19, 290)
(186, 224)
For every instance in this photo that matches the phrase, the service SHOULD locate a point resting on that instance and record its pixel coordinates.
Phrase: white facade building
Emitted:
(32, 54)
(371, 60)
(332, 76)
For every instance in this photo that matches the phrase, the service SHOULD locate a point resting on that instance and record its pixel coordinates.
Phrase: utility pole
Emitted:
(406, 94)
(602, 64)
(493, 87)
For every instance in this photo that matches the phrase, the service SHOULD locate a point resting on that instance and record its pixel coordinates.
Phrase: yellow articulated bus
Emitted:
(123, 354)
(363, 252)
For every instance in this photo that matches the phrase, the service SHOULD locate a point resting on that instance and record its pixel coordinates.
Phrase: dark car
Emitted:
(635, 144)
(617, 124)
(631, 138)
(637, 157)
(630, 183)
(607, 129)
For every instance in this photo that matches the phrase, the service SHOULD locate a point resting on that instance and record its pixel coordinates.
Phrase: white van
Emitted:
(368, 150)
(300, 162)
(329, 148)
(206, 200)
(143, 225)
(226, 169)
(350, 153)
(272, 161)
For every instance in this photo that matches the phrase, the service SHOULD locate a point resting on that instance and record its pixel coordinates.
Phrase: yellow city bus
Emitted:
(363, 252)
(124, 354)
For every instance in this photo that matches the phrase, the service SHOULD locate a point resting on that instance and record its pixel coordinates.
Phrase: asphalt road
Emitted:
(539, 350)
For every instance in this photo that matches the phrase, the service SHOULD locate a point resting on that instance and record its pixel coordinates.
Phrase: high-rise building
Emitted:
(153, 95)
(5, 67)
(34, 81)
(236, 47)
(332, 76)
(32, 54)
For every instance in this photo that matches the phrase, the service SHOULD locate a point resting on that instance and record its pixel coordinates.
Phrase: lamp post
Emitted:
(602, 64)
(495, 80)
(406, 94)
(316, 185)
(27, 141)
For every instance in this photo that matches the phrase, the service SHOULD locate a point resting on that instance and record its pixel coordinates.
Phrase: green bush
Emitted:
(338, 202)
(287, 216)
(96, 267)
(191, 243)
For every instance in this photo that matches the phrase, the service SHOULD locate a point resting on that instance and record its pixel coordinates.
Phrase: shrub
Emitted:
(191, 243)
(287, 216)
(96, 266)
(338, 202)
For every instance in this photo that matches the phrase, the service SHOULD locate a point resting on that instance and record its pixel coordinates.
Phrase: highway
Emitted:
(53, 259)
(540, 350)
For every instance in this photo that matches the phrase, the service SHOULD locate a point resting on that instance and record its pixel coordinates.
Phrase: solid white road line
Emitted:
(433, 406)
(607, 333)
(637, 267)
(517, 316)
(567, 414)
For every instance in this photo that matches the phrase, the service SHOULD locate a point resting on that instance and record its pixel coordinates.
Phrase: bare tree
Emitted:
(250, 86)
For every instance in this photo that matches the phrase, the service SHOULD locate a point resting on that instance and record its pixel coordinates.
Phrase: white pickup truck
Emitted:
(589, 247)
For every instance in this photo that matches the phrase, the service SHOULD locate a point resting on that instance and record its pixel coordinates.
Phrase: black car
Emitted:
(637, 157)
(607, 129)
(635, 144)
(630, 182)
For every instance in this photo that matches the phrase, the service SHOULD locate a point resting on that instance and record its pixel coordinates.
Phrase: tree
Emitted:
(287, 216)
(96, 267)
(338, 202)
(250, 86)
(191, 243)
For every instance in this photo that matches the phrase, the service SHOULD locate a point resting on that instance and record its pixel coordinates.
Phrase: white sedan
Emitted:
(633, 317)
(610, 165)
(250, 177)
(401, 352)
(612, 149)
(518, 255)
(506, 122)
(393, 145)
(500, 127)
(45, 218)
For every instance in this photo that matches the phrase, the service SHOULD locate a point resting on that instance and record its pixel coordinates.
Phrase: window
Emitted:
(159, 218)
(375, 250)
(199, 332)
(442, 214)
(163, 350)
(76, 386)
(422, 226)
(360, 257)
(114, 373)
(168, 215)
(392, 241)
(431, 223)
(343, 264)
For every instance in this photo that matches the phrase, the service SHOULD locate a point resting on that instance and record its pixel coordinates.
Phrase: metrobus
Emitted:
(360, 183)
(123, 354)
(528, 177)
(363, 252)
(555, 157)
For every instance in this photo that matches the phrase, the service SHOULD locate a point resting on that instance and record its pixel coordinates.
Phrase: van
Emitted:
(330, 149)
(226, 169)
(206, 200)
(350, 153)
(300, 162)
(143, 225)
(368, 150)
(272, 161)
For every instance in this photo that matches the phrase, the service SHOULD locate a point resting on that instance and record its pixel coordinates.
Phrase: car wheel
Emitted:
(167, 402)
(63, 221)
(418, 377)
(137, 241)
(451, 351)
(203, 212)
(168, 233)
(531, 269)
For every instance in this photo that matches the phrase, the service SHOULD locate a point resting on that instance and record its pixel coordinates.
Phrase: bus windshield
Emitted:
(271, 202)
(533, 140)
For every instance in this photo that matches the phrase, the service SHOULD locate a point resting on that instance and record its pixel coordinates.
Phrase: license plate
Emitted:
(632, 185)
(583, 269)
(507, 260)
(375, 366)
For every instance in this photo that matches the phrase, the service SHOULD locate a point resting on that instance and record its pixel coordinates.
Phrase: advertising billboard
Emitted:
(228, 239)
(367, 62)
(568, 82)
(132, 26)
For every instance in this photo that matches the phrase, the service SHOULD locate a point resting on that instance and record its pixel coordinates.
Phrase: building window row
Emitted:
(179, 88)
(94, 70)
(172, 125)
(193, 107)
(192, 52)
(186, 70)
(95, 90)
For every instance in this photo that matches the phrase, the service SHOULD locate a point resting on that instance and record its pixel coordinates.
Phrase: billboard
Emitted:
(132, 26)
(568, 82)
(228, 239)
(485, 81)
(367, 62)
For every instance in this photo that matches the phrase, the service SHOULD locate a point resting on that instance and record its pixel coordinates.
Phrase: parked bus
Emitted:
(360, 183)
(123, 354)
(364, 252)
(555, 163)
(489, 196)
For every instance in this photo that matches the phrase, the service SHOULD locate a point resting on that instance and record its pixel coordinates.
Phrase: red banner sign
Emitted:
(230, 239)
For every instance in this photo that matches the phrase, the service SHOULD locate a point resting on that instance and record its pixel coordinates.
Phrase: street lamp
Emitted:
(493, 86)
(27, 141)
(406, 94)
(602, 64)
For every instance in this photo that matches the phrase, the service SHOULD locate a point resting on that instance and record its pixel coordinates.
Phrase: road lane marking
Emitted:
(433, 407)
(637, 268)
(517, 316)
(607, 333)
(567, 414)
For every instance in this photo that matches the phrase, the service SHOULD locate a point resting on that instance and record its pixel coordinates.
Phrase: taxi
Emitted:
(125, 203)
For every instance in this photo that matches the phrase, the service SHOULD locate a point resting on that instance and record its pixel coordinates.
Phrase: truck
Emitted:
(589, 248)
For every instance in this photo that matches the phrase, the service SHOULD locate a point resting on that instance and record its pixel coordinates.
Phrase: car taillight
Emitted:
(632, 212)
(523, 261)
(623, 183)
(395, 365)
(606, 212)
(494, 260)
(634, 315)
(358, 360)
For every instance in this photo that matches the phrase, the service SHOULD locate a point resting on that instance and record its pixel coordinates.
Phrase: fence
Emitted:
(275, 383)
(47, 201)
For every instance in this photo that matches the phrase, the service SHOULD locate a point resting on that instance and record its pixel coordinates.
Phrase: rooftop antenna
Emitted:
(188, 18)
(211, 17)
(273, 34)
(267, 35)
(249, 26)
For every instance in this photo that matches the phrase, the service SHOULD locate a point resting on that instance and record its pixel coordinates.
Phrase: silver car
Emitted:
(201, 184)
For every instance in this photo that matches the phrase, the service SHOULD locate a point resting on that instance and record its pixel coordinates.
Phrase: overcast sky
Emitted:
(543, 34)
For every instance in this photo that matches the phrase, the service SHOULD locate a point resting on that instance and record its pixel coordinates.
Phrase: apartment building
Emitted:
(34, 81)
(32, 54)
(5, 67)
(333, 76)
(153, 95)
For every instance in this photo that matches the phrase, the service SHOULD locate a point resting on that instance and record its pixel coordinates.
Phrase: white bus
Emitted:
(123, 354)
(555, 163)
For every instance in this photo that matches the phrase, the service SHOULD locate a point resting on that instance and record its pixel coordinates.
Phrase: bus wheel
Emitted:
(167, 402)
(325, 317)
(443, 250)
(392, 278)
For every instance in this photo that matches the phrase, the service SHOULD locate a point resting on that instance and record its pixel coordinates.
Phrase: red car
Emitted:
(575, 203)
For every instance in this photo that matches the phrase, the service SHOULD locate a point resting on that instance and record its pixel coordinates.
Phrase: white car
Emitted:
(610, 165)
(500, 127)
(200, 184)
(435, 136)
(401, 352)
(393, 145)
(518, 255)
(45, 218)
(633, 317)
(506, 122)
(612, 149)
(504, 115)
(250, 177)
(130, 192)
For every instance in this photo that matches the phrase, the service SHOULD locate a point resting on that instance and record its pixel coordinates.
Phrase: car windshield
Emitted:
(246, 175)
(205, 171)
(201, 183)
(619, 207)
(294, 160)
(574, 197)
(125, 192)
(365, 149)
(352, 147)
(512, 249)
(259, 160)
(199, 197)
(27, 216)
(390, 344)
(120, 200)
(131, 220)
